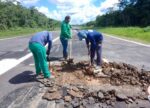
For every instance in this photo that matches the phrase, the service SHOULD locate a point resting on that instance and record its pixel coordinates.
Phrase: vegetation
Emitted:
(131, 20)
(14, 16)
(130, 13)
(134, 33)
(19, 31)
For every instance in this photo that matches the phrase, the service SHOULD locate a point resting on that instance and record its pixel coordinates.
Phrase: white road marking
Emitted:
(138, 43)
(57, 48)
(31, 64)
(7, 64)
(53, 48)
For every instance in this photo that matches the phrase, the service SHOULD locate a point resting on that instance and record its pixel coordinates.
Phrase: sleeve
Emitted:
(49, 43)
(87, 43)
(101, 38)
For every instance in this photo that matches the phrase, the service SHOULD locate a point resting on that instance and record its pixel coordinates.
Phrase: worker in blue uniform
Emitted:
(94, 44)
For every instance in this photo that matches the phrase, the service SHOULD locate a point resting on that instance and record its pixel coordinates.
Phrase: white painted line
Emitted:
(31, 64)
(7, 64)
(138, 43)
(57, 48)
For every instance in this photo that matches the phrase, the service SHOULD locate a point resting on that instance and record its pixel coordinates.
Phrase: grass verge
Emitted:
(131, 33)
(19, 32)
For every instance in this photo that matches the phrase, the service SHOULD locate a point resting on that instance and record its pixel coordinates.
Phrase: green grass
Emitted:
(131, 33)
(19, 32)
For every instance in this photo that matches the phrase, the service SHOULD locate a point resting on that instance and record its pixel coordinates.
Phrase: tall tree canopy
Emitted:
(12, 15)
(130, 13)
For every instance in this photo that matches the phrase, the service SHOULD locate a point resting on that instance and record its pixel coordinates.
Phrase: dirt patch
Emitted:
(118, 74)
(78, 86)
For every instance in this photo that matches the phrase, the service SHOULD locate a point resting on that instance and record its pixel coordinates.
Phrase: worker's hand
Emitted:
(48, 58)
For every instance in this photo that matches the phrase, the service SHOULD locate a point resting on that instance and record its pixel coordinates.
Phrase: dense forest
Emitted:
(15, 15)
(130, 13)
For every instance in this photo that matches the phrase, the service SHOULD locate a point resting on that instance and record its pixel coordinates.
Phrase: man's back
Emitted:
(41, 37)
(65, 30)
(94, 37)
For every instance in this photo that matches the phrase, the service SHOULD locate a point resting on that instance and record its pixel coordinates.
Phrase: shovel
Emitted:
(49, 65)
(70, 52)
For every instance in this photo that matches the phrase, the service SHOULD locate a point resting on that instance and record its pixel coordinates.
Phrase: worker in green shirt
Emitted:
(65, 36)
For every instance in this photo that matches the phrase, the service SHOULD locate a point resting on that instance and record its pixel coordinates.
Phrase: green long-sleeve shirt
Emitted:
(65, 30)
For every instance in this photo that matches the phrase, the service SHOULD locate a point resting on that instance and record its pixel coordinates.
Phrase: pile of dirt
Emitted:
(122, 73)
(77, 87)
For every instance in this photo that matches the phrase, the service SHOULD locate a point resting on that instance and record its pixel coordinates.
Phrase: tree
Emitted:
(15, 15)
(131, 13)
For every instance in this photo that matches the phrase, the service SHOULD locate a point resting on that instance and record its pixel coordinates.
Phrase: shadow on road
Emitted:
(24, 77)
(56, 58)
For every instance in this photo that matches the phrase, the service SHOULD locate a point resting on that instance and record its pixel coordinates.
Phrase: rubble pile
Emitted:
(126, 74)
(72, 85)
(79, 96)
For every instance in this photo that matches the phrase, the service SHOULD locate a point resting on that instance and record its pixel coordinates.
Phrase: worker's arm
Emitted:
(49, 39)
(88, 45)
(49, 47)
(101, 38)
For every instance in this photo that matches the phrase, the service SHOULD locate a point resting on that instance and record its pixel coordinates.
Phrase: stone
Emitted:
(112, 92)
(66, 86)
(132, 97)
(81, 106)
(81, 87)
(41, 85)
(45, 96)
(64, 91)
(67, 98)
(51, 90)
(108, 97)
(84, 102)
(88, 71)
(91, 100)
(108, 102)
(94, 94)
(52, 96)
(104, 60)
(75, 89)
(121, 97)
(75, 103)
(76, 94)
(101, 75)
(100, 95)
(130, 100)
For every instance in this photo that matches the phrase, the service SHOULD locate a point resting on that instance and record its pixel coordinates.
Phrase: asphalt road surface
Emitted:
(20, 73)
